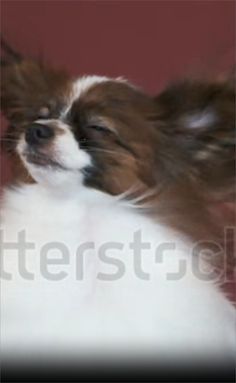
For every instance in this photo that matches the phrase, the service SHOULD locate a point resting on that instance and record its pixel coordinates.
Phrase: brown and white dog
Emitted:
(105, 224)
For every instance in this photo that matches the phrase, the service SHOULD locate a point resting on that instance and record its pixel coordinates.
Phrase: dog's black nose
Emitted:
(37, 134)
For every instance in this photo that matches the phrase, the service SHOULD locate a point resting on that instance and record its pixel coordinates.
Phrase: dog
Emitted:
(110, 242)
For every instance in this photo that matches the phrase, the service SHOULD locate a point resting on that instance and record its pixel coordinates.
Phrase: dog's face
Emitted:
(109, 135)
(94, 130)
(102, 136)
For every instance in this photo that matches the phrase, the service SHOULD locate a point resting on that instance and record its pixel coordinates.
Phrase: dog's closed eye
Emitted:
(99, 128)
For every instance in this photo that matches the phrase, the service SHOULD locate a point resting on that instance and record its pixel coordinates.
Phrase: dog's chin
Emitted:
(60, 167)
(40, 160)
(52, 174)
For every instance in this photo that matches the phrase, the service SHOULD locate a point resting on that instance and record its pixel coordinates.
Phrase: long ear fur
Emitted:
(27, 85)
(198, 119)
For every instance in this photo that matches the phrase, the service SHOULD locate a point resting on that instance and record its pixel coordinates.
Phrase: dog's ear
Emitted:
(28, 85)
(198, 120)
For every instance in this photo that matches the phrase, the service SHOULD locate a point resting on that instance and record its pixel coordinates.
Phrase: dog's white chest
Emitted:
(84, 280)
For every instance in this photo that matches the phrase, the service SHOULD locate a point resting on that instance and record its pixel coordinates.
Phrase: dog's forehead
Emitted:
(86, 87)
(82, 85)
(100, 91)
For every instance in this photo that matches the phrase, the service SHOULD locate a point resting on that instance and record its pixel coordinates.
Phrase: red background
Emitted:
(149, 42)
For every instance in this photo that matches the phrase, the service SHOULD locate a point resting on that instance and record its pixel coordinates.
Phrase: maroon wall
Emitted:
(150, 42)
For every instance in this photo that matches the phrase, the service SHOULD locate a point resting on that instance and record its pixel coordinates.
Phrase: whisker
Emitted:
(142, 197)
(137, 202)
(129, 192)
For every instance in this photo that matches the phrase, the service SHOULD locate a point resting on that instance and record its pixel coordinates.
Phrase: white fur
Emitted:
(72, 317)
(83, 84)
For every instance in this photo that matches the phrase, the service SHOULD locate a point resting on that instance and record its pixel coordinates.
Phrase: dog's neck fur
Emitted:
(98, 312)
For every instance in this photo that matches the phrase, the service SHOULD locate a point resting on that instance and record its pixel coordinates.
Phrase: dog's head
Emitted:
(108, 134)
